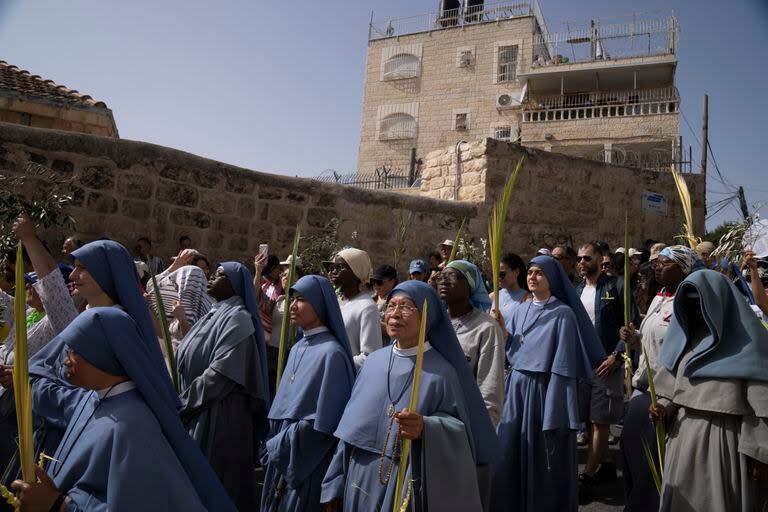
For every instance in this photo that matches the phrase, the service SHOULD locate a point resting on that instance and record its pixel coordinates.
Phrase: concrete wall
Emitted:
(561, 199)
(126, 189)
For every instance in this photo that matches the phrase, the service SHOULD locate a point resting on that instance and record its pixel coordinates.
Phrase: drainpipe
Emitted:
(457, 181)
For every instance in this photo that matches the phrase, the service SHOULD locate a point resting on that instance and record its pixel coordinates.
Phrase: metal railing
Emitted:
(602, 104)
(469, 15)
(634, 36)
(597, 98)
(658, 160)
(381, 179)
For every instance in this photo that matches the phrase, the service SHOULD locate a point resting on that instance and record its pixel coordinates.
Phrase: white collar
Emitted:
(316, 330)
(117, 389)
(410, 352)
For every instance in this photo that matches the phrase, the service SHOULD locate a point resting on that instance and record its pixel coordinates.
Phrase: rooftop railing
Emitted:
(601, 104)
(468, 15)
(634, 36)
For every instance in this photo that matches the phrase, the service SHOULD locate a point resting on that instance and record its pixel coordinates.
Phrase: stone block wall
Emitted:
(126, 189)
(442, 88)
(560, 199)
(43, 114)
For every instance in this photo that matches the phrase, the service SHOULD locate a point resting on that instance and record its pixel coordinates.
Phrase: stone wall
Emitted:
(126, 189)
(44, 114)
(442, 88)
(560, 199)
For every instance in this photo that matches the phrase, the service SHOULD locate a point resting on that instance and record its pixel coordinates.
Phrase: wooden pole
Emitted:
(704, 138)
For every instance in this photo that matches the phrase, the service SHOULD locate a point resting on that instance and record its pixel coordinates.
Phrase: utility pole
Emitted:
(704, 147)
(743, 203)
(704, 139)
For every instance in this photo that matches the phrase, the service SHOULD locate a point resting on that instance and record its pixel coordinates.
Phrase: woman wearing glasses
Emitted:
(450, 427)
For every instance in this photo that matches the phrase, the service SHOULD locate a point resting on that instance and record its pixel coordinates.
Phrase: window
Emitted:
(400, 66)
(462, 122)
(503, 133)
(507, 69)
(507, 133)
(397, 126)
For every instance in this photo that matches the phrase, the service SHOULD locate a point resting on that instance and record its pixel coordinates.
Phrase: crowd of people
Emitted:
(126, 419)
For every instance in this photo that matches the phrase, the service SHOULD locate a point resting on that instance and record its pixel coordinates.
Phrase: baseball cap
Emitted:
(417, 266)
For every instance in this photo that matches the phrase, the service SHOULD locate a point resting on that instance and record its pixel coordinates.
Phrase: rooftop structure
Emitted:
(31, 100)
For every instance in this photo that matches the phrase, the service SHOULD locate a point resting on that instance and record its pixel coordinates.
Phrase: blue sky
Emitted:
(278, 86)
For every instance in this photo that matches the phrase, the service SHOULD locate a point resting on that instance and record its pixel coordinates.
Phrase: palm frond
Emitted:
(496, 230)
(685, 200)
(413, 404)
(285, 328)
(456, 240)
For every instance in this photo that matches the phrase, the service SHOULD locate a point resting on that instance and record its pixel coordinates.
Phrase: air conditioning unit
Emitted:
(506, 101)
(465, 59)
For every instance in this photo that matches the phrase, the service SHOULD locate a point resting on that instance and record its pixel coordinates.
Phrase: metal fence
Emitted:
(377, 180)
(470, 14)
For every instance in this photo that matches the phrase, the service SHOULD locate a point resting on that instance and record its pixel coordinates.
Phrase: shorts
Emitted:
(601, 400)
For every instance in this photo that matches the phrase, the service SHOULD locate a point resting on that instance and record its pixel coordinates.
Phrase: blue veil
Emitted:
(442, 337)
(319, 292)
(736, 346)
(106, 338)
(110, 264)
(560, 286)
(242, 282)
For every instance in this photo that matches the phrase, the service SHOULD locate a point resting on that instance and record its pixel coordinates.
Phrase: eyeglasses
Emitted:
(585, 258)
(447, 278)
(405, 309)
(336, 268)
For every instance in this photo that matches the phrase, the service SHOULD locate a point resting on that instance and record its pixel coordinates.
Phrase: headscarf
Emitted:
(191, 285)
(110, 264)
(318, 291)
(106, 338)
(442, 337)
(683, 256)
(560, 287)
(242, 282)
(736, 346)
(478, 292)
(358, 261)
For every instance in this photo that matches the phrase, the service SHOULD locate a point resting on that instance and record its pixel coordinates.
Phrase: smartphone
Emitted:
(264, 249)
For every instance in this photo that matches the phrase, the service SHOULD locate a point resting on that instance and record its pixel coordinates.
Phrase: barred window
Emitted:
(507, 70)
(503, 133)
(402, 65)
(397, 126)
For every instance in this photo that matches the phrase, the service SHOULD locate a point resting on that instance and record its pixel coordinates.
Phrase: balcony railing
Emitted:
(379, 179)
(599, 104)
(635, 36)
(469, 15)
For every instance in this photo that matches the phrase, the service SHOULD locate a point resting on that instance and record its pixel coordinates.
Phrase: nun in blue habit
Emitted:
(223, 380)
(104, 274)
(124, 448)
(713, 381)
(552, 344)
(315, 387)
(450, 429)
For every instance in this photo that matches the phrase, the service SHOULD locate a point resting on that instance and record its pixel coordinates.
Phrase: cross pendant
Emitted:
(391, 410)
(293, 377)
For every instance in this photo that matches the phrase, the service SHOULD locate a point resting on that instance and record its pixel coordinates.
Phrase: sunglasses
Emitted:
(377, 282)
(585, 258)
(502, 275)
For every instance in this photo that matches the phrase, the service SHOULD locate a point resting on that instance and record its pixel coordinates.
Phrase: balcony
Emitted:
(640, 35)
(601, 104)
(449, 18)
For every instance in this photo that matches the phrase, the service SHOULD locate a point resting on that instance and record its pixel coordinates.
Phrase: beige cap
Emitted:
(655, 250)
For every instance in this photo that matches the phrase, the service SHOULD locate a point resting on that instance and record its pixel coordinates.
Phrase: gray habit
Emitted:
(223, 398)
(718, 424)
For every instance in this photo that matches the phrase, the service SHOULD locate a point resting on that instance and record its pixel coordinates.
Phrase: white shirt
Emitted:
(117, 389)
(410, 352)
(588, 299)
(363, 326)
